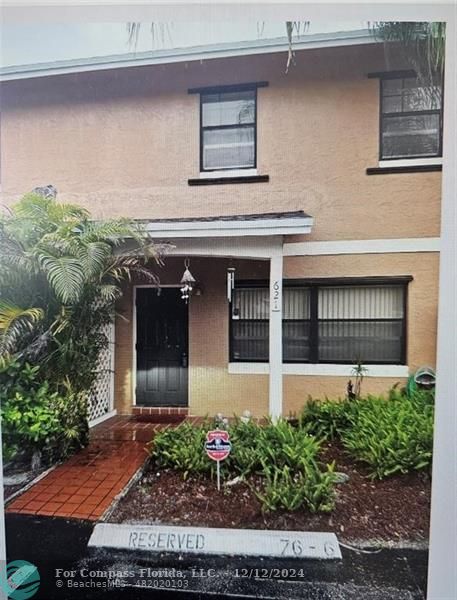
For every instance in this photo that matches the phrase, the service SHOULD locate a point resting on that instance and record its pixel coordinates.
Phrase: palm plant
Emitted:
(423, 43)
(60, 275)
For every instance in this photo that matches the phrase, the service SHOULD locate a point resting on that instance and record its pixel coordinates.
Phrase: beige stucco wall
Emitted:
(212, 389)
(125, 142)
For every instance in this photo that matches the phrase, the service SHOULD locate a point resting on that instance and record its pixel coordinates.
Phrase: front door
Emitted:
(161, 348)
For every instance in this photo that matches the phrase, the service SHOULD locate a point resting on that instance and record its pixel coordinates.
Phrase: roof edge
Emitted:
(266, 224)
(194, 53)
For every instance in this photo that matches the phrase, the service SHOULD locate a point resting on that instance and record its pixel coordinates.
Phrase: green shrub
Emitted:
(245, 455)
(38, 419)
(182, 448)
(327, 418)
(393, 435)
(277, 444)
(284, 457)
(289, 490)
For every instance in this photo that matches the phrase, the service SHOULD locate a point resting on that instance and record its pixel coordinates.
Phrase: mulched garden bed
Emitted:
(395, 509)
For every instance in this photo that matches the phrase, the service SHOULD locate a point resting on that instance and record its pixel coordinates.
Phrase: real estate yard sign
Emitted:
(218, 447)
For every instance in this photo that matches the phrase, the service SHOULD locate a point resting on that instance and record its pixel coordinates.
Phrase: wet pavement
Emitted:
(86, 484)
(55, 543)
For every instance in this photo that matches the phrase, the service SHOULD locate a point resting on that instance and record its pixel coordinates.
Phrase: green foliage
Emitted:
(282, 458)
(423, 43)
(391, 436)
(182, 448)
(59, 279)
(308, 487)
(37, 418)
(246, 448)
(325, 419)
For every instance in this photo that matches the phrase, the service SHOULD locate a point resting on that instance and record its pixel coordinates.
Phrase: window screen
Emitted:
(360, 323)
(410, 119)
(228, 130)
(323, 323)
(249, 325)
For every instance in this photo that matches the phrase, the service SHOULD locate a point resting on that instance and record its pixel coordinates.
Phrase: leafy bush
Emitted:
(308, 486)
(391, 436)
(37, 419)
(284, 457)
(326, 419)
(60, 275)
(182, 448)
(273, 444)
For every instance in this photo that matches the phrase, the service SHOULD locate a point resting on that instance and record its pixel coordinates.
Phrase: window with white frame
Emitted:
(410, 119)
(323, 323)
(228, 130)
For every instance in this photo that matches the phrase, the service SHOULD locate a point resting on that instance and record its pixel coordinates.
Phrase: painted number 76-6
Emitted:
(295, 547)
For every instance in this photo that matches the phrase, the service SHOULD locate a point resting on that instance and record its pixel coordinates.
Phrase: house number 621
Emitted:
(276, 296)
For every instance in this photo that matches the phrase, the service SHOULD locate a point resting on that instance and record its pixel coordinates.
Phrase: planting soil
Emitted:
(394, 509)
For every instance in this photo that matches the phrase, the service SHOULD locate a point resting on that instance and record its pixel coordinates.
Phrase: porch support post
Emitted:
(275, 337)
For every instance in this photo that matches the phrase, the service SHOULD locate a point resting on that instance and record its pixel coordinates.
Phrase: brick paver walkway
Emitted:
(85, 485)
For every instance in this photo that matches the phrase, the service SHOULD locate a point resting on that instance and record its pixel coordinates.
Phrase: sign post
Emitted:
(218, 447)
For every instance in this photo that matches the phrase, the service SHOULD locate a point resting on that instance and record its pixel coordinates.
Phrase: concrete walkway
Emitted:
(85, 486)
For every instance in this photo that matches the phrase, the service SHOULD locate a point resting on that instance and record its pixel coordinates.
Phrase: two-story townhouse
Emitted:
(305, 204)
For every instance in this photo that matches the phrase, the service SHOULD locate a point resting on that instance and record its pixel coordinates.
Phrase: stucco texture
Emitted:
(125, 142)
(213, 389)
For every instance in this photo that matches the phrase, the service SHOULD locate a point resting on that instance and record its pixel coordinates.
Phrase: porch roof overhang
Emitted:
(260, 224)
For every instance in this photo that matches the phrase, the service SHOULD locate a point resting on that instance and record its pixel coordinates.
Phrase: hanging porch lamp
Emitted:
(188, 282)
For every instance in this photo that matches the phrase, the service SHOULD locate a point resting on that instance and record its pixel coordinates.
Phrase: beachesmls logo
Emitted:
(19, 580)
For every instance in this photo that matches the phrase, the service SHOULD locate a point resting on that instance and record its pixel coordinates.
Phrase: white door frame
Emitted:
(134, 322)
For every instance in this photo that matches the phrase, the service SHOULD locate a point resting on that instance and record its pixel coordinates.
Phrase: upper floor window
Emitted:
(228, 130)
(410, 119)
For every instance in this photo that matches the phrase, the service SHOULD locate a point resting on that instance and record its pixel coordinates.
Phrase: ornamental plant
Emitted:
(391, 436)
(61, 273)
(39, 424)
(278, 462)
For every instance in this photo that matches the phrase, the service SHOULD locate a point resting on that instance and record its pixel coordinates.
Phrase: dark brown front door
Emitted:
(161, 348)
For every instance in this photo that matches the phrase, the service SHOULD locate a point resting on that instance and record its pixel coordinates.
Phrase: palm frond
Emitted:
(133, 32)
(109, 293)
(64, 274)
(65, 211)
(157, 30)
(12, 261)
(423, 44)
(16, 322)
(93, 257)
(114, 231)
(294, 28)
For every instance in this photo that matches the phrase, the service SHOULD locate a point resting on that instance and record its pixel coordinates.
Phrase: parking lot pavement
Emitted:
(53, 544)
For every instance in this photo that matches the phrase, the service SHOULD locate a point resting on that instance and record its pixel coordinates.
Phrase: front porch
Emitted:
(174, 357)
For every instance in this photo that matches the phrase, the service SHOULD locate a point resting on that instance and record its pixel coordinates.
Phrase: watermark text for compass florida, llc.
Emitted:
(161, 578)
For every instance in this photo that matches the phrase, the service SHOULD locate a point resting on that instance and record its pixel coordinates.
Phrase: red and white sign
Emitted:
(218, 444)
